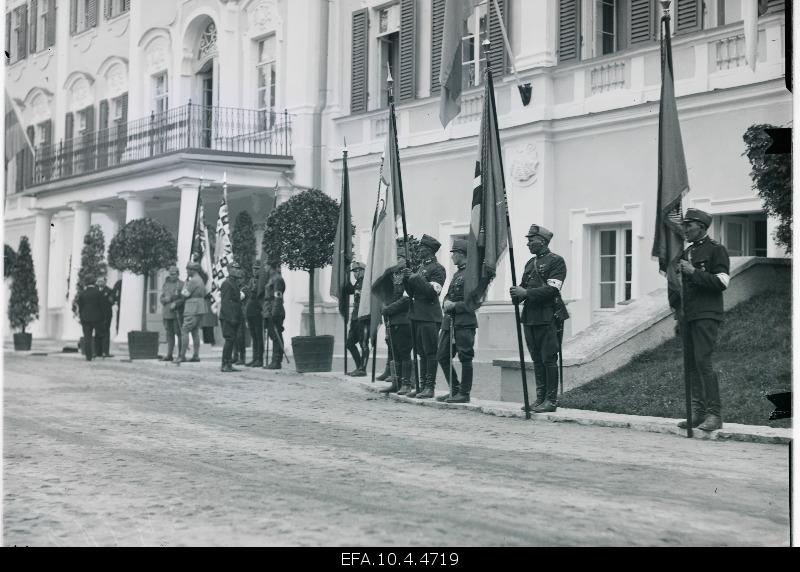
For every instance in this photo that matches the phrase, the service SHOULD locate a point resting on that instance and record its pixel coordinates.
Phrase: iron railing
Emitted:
(191, 126)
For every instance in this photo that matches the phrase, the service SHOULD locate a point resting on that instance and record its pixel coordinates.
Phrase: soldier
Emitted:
(103, 337)
(705, 266)
(255, 323)
(423, 288)
(194, 308)
(540, 290)
(273, 311)
(358, 333)
(464, 322)
(395, 314)
(92, 313)
(172, 310)
(230, 314)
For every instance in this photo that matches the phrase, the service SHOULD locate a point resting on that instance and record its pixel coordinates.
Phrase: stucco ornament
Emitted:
(157, 56)
(81, 94)
(40, 109)
(525, 166)
(263, 17)
(117, 80)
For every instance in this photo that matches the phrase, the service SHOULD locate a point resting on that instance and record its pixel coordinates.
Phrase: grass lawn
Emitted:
(753, 358)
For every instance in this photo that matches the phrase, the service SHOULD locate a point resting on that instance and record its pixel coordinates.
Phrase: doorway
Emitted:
(207, 111)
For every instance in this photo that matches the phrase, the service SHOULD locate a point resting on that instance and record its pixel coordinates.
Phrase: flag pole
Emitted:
(399, 185)
(525, 89)
(486, 45)
(345, 228)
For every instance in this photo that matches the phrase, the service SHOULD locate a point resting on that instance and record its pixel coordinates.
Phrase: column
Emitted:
(132, 296)
(80, 226)
(190, 192)
(41, 266)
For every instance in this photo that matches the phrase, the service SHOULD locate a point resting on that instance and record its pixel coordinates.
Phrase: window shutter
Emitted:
(48, 132)
(688, 16)
(107, 9)
(497, 51)
(23, 36)
(91, 15)
(103, 120)
(641, 27)
(775, 6)
(34, 17)
(437, 32)
(73, 16)
(8, 35)
(126, 5)
(360, 52)
(50, 20)
(569, 31)
(102, 136)
(69, 126)
(29, 157)
(408, 51)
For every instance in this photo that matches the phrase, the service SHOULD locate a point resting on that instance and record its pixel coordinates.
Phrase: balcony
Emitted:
(221, 129)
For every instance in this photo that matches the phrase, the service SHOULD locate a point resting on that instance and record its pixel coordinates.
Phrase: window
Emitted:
(161, 93)
(83, 15)
(114, 8)
(388, 50)
(605, 24)
(614, 266)
(265, 87)
(472, 57)
(17, 44)
(742, 234)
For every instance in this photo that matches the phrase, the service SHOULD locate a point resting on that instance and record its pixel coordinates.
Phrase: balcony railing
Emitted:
(191, 126)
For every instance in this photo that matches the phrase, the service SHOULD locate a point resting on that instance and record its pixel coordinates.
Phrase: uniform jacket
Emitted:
(274, 287)
(195, 293)
(711, 277)
(230, 308)
(397, 304)
(255, 298)
(355, 290)
(424, 288)
(171, 292)
(543, 287)
(108, 302)
(464, 317)
(91, 304)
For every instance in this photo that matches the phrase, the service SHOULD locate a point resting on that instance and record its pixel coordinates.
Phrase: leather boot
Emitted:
(386, 372)
(697, 419)
(428, 389)
(551, 393)
(405, 377)
(712, 423)
(452, 383)
(394, 388)
(466, 384)
(541, 386)
(413, 379)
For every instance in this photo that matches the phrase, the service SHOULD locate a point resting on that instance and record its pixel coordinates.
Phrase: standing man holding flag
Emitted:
(343, 254)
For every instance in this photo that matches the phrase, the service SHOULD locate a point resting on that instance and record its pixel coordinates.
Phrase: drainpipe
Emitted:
(322, 99)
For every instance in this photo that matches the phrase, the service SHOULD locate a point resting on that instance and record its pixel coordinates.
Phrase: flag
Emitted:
(16, 138)
(673, 180)
(456, 13)
(750, 10)
(343, 246)
(487, 239)
(223, 256)
(382, 261)
(201, 251)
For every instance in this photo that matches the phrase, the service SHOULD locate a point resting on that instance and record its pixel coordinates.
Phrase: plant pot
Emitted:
(312, 353)
(143, 345)
(22, 342)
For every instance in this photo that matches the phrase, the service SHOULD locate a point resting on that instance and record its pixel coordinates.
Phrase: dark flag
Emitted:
(488, 231)
(673, 180)
(343, 246)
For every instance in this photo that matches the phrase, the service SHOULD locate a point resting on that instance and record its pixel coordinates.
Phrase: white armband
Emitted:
(279, 294)
(436, 287)
(555, 283)
(724, 278)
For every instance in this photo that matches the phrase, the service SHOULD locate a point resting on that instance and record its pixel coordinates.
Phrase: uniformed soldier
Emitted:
(423, 288)
(230, 314)
(273, 286)
(705, 266)
(358, 332)
(395, 315)
(540, 291)
(255, 322)
(464, 322)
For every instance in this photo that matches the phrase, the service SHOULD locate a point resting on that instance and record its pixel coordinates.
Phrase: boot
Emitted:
(712, 423)
(427, 388)
(452, 383)
(466, 385)
(413, 381)
(541, 386)
(551, 393)
(386, 372)
(277, 359)
(405, 378)
(697, 418)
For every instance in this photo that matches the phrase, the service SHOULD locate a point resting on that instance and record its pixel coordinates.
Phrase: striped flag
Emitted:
(673, 179)
(456, 13)
(223, 255)
(16, 138)
(343, 246)
(200, 244)
(488, 231)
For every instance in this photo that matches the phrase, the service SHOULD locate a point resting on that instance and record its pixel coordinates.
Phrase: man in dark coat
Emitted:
(103, 336)
(358, 332)
(273, 311)
(540, 291)
(424, 287)
(705, 266)
(395, 315)
(92, 313)
(230, 314)
(462, 319)
(172, 310)
(255, 322)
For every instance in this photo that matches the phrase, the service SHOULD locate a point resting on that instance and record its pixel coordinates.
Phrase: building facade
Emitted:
(129, 109)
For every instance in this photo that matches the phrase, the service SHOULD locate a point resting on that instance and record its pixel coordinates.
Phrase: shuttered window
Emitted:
(87, 141)
(776, 6)
(120, 131)
(34, 17)
(21, 33)
(44, 154)
(102, 136)
(73, 16)
(642, 23)
(91, 13)
(569, 30)
(69, 126)
(497, 51)
(8, 35)
(359, 57)
(437, 31)
(408, 51)
(50, 24)
(688, 16)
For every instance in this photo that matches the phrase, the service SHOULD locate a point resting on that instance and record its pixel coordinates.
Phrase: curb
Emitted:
(729, 432)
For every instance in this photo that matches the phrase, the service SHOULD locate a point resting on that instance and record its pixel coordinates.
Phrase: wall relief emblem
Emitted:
(157, 56)
(81, 94)
(264, 17)
(117, 81)
(525, 166)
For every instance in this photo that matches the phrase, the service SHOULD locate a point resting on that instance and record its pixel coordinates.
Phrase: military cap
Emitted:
(698, 215)
(459, 245)
(430, 242)
(194, 266)
(537, 230)
(356, 266)
(173, 268)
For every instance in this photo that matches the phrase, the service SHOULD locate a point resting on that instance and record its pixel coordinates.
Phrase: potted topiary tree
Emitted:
(142, 246)
(23, 306)
(92, 264)
(300, 233)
